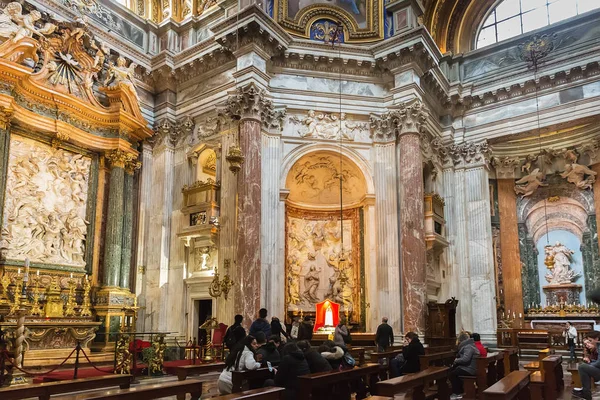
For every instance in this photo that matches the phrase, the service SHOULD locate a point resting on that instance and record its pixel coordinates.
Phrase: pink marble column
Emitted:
(411, 119)
(248, 246)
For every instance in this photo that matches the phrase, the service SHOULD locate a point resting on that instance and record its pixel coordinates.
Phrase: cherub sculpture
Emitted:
(528, 184)
(578, 174)
(16, 26)
(119, 74)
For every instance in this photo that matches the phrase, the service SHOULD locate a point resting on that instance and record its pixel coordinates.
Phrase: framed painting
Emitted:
(362, 19)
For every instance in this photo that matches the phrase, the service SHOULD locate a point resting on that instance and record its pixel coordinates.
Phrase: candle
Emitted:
(37, 272)
(71, 275)
(520, 316)
(19, 271)
(27, 263)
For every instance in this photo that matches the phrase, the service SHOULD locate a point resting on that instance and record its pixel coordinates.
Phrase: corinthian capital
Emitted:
(249, 102)
(383, 129)
(411, 117)
(469, 153)
(6, 115)
(118, 158)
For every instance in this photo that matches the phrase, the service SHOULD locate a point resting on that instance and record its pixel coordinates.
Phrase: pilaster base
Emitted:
(116, 311)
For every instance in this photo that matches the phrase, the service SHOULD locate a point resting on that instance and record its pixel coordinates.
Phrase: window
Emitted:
(512, 18)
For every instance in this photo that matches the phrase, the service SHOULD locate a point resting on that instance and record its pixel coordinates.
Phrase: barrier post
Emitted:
(77, 349)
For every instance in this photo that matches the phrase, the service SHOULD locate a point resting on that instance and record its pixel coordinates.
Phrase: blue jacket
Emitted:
(260, 324)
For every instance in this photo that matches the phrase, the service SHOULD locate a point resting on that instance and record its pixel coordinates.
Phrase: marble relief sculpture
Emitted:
(528, 184)
(328, 126)
(16, 26)
(579, 175)
(46, 201)
(560, 269)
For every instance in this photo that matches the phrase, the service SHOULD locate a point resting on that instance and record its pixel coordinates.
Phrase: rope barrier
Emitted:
(112, 371)
(7, 357)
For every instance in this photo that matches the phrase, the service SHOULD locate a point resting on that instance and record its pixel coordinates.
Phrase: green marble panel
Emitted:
(113, 239)
(590, 254)
(127, 231)
(529, 271)
(4, 147)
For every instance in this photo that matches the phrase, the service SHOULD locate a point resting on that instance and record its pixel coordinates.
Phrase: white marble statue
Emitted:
(120, 74)
(528, 184)
(16, 26)
(46, 201)
(576, 174)
(560, 271)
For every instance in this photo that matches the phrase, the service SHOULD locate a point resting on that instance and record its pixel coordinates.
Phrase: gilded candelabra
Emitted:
(86, 305)
(16, 304)
(221, 287)
(5, 282)
(71, 301)
(36, 308)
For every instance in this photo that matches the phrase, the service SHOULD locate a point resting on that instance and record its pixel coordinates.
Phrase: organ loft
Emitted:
(166, 166)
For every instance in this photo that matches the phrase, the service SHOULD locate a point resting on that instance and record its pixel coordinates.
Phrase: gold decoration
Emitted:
(221, 287)
(86, 305)
(158, 358)
(16, 304)
(5, 282)
(553, 199)
(123, 356)
(71, 301)
(210, 325)
(235, 158)
(36, 308)
(6, 115)
(210, 165)
(54, 307)
(118, 158)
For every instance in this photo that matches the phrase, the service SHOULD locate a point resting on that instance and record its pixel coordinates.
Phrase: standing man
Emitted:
(235, 333)
(384, 337)
(570, 334)
(261, 324)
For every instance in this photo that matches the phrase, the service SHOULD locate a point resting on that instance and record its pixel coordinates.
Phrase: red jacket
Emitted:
(482, 350)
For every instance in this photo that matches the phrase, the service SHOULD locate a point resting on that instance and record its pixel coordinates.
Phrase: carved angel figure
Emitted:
(119, 74)
(576, 174)
(561, 272)
(16, 26)
(528, 184)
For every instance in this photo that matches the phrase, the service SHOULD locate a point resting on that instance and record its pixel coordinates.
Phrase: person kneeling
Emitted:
(465, 364)
(408, 362)
(293, 364)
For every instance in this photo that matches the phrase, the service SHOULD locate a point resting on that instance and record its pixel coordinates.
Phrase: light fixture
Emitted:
(220, 287)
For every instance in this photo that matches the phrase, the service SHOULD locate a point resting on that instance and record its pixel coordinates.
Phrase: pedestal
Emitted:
(566, 293)
(115, 312)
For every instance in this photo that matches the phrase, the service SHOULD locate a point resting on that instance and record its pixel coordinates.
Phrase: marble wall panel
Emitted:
(321, 85)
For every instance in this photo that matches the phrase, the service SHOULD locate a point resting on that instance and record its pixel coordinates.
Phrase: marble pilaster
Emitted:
(5, 117)
(596, 189)
(450, 284)
(144, 199)
(386, 213)
(272, 271)
(509, 246)
(481, 257)
(113, 239)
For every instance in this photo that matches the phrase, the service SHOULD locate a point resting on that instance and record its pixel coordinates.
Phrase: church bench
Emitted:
(145, 392)
(417, 383)
(533, 340)
(438, 349)
(183, 371)
(44, 390)
(255, 378)
(535, 365)
(324, 385)
(358, 353)
(575, 378)
(511, 358)
(384, 358)
(513, 386)
(489, 370)
(547, 383)
(437, 359)
(270, 393)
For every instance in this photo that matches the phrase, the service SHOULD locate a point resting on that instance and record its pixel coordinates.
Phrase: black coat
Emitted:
(316, 362)
(411, 354)
(269, 353)
(277, 329)
(235, 333)
(291, 367)
(384, 336)
(305, 332)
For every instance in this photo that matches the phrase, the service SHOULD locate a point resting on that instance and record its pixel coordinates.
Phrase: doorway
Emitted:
(204, 308)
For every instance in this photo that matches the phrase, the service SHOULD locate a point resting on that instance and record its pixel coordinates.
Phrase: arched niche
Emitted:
(206, 166)
(324, 260)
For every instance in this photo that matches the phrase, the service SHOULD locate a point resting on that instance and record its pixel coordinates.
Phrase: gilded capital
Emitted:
(118, 158)
(249, 102)
(132, 165)
(6, 115)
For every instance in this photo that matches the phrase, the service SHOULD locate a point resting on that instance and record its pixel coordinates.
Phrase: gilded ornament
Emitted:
(54, 305)
(36, 308)
(123, 356)
(235, 158)
(6, 115)
(86, 305)
(118, 158)
(158, 354)
(5, 283)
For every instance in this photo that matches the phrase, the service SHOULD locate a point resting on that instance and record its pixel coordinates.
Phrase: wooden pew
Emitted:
(511, 358)
(183, 371)
(358, 353)
(535, 365)
(324, 385)
(438, 349)
(254, 378)
(383, 359)
(444, 359)
(417, 382)
(144, 392)
(487, 375)
(270, 393)
(43, 391)
(514, 386)
(547, 383)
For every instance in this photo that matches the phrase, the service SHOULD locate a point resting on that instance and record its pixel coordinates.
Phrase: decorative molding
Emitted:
(469, 154)
(6, 115)
(328, 126)
(250, 102)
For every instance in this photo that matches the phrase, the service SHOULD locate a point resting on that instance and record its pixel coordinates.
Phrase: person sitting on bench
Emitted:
(408, 362)
(588, 371)
(316, 362)
(479, 345)
(464, 365)
(293, 364)
(268, 351)
(240, 359)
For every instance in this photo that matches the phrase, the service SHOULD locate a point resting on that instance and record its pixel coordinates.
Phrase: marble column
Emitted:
(509, 246)
(389, 295)
(113, 238)
(127, 225)
(411, 123)
(461, 252)
(5, 117)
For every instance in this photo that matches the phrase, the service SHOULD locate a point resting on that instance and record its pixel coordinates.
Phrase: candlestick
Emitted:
(19, 271)
(85, 306)
(71, 303)
(36, 308)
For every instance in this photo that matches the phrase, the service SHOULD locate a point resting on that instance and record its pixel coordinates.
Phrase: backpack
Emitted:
(348, 361)
(230, 341)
